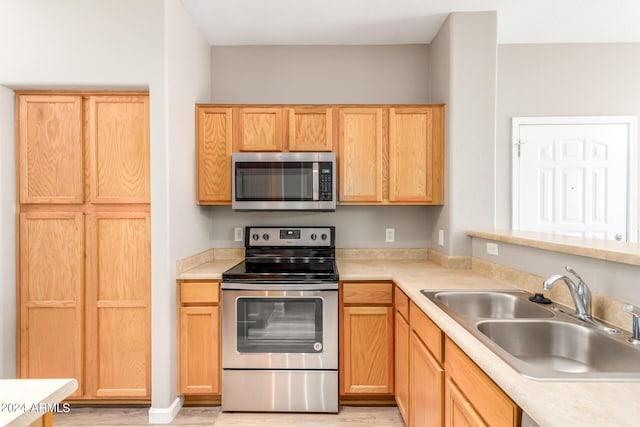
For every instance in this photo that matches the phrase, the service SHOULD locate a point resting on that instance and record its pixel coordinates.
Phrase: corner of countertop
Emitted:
(210, 255)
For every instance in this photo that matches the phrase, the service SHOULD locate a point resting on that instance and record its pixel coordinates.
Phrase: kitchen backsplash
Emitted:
(356, 226)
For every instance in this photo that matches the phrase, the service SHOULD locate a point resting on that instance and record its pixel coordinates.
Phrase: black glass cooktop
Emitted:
(303, 271)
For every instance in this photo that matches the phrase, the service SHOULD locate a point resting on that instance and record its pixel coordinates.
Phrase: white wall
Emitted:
(560, 80)
(7, 242)
(440, 92)
(466, 82)
(356, 226)
(71, 43)
(188, 82)
(320, 74)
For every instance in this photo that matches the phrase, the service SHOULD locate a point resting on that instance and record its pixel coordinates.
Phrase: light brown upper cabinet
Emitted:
(386, 154)
(213, 150)
(391, 155)
(415, 154)
(310, 129)
(360, 155)
(260, 129)
(50, 140)
(119, 149)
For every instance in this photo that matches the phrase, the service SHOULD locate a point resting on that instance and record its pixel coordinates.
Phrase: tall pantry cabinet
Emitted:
(84, 241)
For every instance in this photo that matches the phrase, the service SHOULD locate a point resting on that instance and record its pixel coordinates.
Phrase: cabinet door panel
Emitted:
(118, 314)
(401, 373)
(426, 386)
(214, 147)
(310, 129)
(368, 350)
(118, 132)
(487, 399)
(50, 149)
(360, 154)
(51, 283)
(415, 154)
(410, 155)
(199, 350)
(260, 129)
(459, 411)
(123, 350)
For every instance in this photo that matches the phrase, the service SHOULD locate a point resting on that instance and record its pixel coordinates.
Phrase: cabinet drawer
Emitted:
(490, 402)
(199, 292)
(367, 293)
(401, 302)
(427, 331)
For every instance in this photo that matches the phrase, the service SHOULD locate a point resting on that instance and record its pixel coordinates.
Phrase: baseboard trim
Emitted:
(165, 415)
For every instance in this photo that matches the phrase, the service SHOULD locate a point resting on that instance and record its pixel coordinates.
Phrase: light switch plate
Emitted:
(390, 235)
(237, 234)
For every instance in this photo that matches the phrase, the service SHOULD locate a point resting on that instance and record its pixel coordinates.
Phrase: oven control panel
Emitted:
(289, 236)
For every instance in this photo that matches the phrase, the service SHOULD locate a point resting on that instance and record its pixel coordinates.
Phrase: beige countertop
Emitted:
(609, 250)
(549, 403)
(24, 401)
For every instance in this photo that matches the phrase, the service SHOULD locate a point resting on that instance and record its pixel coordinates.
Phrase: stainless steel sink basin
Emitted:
(540, 341)
(490, 304)
(561, 350)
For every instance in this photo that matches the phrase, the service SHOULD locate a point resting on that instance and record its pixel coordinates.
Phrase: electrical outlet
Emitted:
(390, 235)
(237, 234)
(492, 249)
(441, 237)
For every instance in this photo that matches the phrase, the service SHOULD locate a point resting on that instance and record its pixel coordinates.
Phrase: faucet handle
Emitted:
(635, 326)
(575, 273)
(630, 308)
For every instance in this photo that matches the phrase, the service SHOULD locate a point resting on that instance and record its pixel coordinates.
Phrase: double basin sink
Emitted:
(540, 341)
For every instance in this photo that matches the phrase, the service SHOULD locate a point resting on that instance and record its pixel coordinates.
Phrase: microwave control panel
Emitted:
(326, 181)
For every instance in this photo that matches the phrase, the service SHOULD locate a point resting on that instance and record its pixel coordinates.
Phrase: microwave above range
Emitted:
(284, 181)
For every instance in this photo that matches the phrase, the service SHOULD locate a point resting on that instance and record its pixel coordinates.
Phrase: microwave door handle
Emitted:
(316, 182)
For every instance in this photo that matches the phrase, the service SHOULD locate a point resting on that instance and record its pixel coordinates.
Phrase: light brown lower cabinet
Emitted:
(445, 387)
(460, 411)
(366, 356)
(472, 398)
(426, 384)
(200, 368)
(401, 359)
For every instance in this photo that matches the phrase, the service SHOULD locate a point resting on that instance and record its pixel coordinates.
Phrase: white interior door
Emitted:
(571, 176)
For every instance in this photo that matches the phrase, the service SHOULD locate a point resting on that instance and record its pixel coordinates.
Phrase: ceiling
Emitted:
(329, 22)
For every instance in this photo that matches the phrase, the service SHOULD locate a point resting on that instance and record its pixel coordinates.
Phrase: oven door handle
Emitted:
(279, 286)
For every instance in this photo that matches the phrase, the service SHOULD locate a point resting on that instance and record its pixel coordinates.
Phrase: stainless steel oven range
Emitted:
(280, 323)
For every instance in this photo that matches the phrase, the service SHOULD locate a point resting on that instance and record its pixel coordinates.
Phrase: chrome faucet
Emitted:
(580, 293)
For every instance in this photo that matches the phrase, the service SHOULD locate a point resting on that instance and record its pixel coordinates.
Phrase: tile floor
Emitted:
(211, 416)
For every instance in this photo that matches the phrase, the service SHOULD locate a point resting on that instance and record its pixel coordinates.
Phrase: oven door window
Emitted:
(279, 325)
(274, 181)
